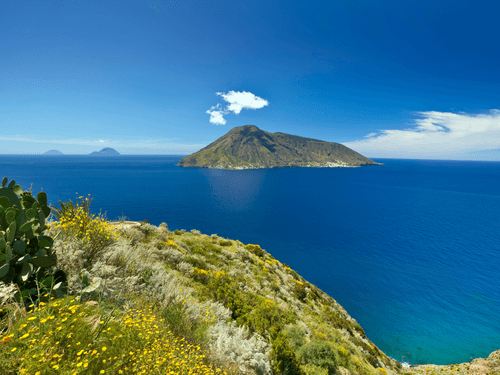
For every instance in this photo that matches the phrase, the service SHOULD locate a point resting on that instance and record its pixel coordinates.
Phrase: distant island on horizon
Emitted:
(53, 152)
(248, 147)
(107, 151)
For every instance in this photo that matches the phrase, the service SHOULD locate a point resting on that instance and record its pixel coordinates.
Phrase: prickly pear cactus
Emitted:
(26, 256)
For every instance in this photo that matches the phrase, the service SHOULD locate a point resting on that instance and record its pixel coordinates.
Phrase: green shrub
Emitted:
(299, 291)
(195, 262)
(315, 293)
(360, 329)
(338, 321)
(201, 275)
(283, 355)
(372, 360)
(319, 353)
(314, 370)
(223, 289)
(297, 337)
(275, 287)
(210, 247)
(26, 255)
(194, 331)
(198, 249)
(225, 243)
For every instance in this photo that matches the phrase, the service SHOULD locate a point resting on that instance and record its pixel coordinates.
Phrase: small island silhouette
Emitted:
(53, 152)
(107, 151)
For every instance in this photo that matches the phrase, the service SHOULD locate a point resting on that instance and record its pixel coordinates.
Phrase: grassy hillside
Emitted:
(250, 147)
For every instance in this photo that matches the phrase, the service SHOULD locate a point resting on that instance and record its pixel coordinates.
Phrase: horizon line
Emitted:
(90, 154)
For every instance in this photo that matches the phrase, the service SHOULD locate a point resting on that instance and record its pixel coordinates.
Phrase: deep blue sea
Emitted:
(410, 249)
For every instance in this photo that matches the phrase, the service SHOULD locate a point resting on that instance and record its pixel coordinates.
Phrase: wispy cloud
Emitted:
(433, 135)
(237, 102)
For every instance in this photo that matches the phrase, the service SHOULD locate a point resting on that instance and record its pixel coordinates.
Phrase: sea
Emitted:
(411, 249)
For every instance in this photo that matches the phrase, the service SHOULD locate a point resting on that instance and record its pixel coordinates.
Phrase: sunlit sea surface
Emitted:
(411, 249)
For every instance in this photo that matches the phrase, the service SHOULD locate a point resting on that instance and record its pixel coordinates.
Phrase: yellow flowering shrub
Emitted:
(95, 232)
(256, 249)
(201, 275)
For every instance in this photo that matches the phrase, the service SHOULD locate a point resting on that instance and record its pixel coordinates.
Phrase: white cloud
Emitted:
(216, 115)
(241, 100)
(435, 135)
(237, 101)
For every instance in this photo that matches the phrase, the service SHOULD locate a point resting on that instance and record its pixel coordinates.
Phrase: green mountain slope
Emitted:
(250, 147)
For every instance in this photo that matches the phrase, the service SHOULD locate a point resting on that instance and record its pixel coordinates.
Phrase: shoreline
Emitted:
(309, 165)
(478, 366)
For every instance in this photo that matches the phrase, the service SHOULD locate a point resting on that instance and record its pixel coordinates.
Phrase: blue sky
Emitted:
(390, 79)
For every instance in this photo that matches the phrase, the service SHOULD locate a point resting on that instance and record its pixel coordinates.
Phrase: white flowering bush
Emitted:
(185, 268)
(228, 254)
(244, 254)
(133, 234)
(251, 352)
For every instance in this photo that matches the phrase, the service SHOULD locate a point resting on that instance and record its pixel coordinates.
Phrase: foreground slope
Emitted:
(290, 323)
(250, 147)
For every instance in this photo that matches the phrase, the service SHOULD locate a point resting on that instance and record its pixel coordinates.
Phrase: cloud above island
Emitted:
(435, 135)
(237, 102)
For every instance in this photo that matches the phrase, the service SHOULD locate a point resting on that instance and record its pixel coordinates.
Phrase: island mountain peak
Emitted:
(107, 151)
(247, 146)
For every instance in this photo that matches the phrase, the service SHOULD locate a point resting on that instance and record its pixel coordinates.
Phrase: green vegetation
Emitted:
(26, 256)
(249, 147)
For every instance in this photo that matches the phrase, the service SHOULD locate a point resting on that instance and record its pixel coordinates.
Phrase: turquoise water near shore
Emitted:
(410, 249)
